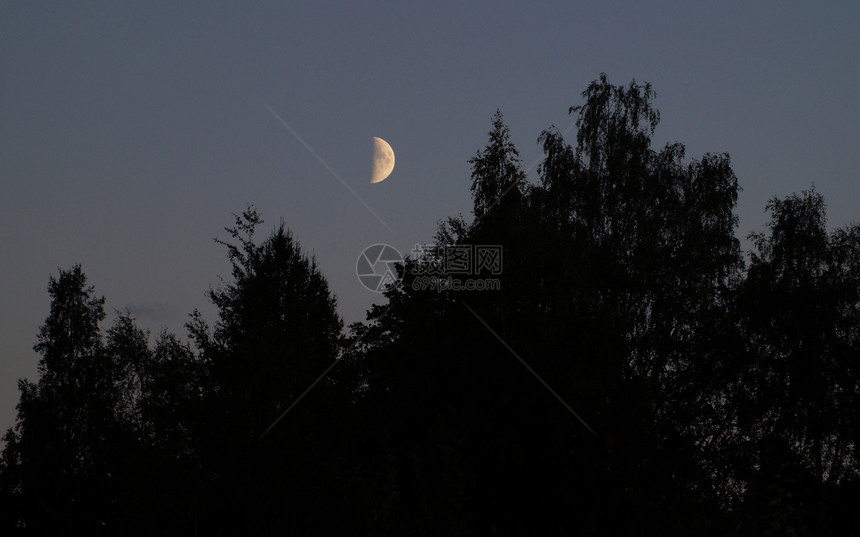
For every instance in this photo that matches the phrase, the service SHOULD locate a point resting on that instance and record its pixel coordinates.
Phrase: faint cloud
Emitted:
(160, 312)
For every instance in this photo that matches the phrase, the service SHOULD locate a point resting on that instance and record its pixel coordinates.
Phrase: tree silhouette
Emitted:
(801, 305)
(277, 331)
(62, 451)
(161, 408)
(497, 177)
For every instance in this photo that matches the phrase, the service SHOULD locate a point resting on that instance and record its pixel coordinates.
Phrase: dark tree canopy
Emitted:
(497, 177)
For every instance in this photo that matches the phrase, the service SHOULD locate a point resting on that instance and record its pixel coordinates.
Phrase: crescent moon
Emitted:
(383, 160)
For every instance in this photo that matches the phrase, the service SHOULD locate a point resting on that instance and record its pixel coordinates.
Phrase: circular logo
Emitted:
(376, 267)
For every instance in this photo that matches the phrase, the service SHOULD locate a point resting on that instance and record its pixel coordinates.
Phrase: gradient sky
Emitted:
(129, 134)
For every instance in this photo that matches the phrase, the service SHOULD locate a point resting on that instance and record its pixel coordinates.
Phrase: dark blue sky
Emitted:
(128, 135)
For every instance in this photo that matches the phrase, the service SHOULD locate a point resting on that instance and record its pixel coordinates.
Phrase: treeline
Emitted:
(634, 374)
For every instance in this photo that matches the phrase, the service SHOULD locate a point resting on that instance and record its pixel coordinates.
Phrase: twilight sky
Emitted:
(128, 135)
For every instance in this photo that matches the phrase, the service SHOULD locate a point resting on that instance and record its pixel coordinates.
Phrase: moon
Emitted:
(383, 160)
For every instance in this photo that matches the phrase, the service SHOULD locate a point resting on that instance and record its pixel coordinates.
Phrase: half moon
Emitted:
(383, 160)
